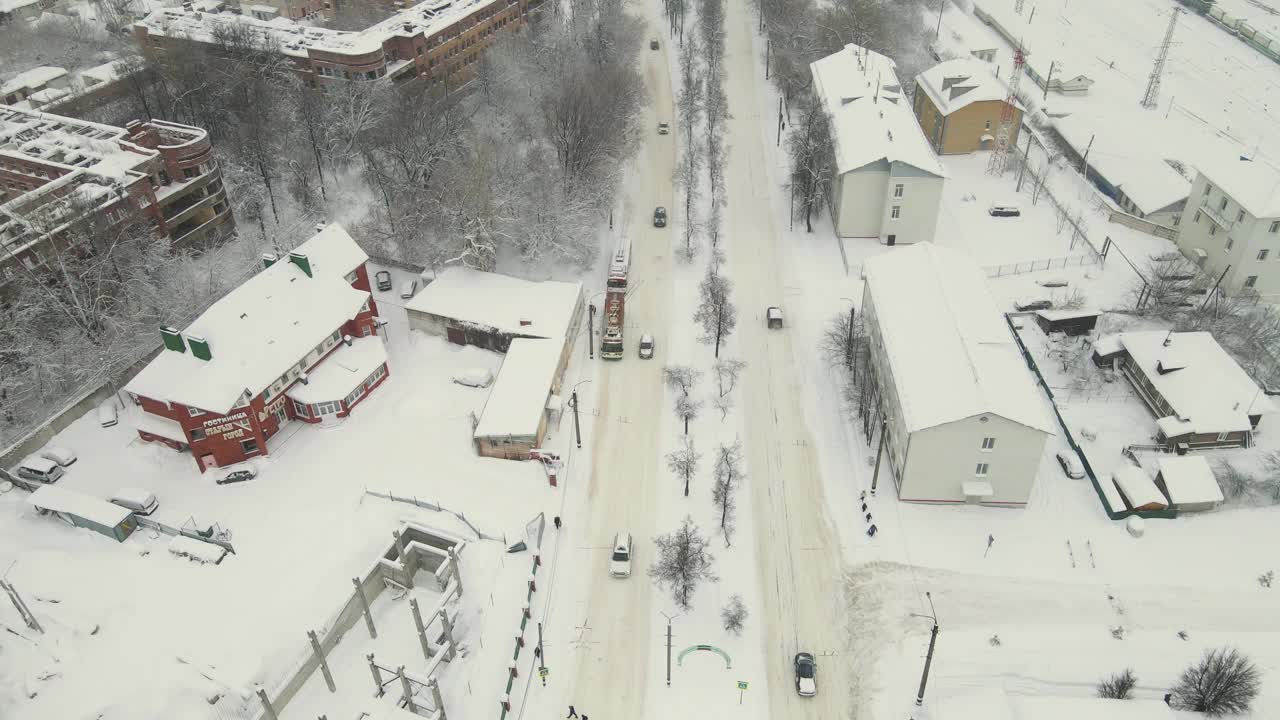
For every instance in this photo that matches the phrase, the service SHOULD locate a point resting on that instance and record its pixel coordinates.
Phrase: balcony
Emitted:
(187, 206)
(195, 231)
(1215, 217)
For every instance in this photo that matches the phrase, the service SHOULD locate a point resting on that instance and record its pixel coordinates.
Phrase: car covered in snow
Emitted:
(1031, 305)
(38, 469)
(141, 502)
(659, 217)
(107, 415)
(663, 128)
(408, 288)
(620, 560)
(383, 278)
(806, 674)
(64, 456)
(1070, 464)
(1004, 210)
(475, 377)
(646, 347)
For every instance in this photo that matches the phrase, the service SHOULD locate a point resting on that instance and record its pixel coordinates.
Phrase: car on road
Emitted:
(242, 474)
(659, 216)
(620, 561)
(653, 44)
(646, 347)
(107, 415)
(1070, 464)
(384, 279)
(1004, 211)
(773, 317)
(66, 457)
(663, 128)
(806, 675)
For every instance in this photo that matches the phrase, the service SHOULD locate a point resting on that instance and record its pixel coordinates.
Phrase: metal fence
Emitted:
(1027, 266)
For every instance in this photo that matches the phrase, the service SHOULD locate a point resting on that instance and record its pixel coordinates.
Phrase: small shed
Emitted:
(1106, 350)
(1138, 491)
(521, 402)
(85, 511)
(1068, 322)
(1189, 483)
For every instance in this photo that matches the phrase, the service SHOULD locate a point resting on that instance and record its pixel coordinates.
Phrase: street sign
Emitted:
(742, 684)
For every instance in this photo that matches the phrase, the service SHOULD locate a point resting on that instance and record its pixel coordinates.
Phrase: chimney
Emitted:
(172, 339)
(408, 27)
(199, 347)
(301, 261)
(269, 259)
(525, 323)
(320, 226)
(347, 339)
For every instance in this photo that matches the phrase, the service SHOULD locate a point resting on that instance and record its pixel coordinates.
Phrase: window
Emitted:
(896, 212)
(249, 447)
(364, 331)
(1197, 217)
(897, 190)
(1222, 437)
(988, 443)
(1230, 242)
(1262, 254)
(1176, 220)
(1251, 281)
(1240, 216)
(987, 126)
(194, 411)
(1223, 205)
(1213, 230)
(1207, 189)
(981, 470)
(299, 408)
(1275, 226)
(351, 276)
(266, 394)
(197, 434)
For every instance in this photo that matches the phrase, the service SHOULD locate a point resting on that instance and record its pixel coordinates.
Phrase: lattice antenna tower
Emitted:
(1000, 151)
(1152, 95)
(1017, 6)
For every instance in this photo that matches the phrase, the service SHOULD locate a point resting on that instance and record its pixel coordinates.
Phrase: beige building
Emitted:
(888, 182)
(1232, 222)
(959, 103)
(962, 419)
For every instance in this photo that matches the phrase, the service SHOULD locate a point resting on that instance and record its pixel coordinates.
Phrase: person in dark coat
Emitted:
(572, 712)
(1168, 699)
(556, 522)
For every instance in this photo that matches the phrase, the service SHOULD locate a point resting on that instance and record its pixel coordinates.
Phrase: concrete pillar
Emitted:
(407, 690)
(457, 567)
(364, 603)
(377, 676)
(268, 712)
(422, 631)
(447, 624)
(324, 664)
(436, 697)
(403, 557)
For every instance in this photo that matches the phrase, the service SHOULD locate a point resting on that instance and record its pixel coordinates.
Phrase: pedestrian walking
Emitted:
(1168, 697)
(572, 712)
(556, 522)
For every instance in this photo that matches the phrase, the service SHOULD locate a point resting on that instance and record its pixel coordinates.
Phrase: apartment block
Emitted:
(1231, 223)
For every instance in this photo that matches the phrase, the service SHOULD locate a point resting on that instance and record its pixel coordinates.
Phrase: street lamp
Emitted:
(577, 429)
(933, 639)
(669, 619)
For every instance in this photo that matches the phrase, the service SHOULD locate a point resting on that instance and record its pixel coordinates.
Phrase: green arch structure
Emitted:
(728, 662)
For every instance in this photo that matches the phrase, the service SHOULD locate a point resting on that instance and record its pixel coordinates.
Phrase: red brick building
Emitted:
(435, 41)
(56, 170)
(297, 341)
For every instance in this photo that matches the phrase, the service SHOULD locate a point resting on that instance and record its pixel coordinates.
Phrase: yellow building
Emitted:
(958, 105)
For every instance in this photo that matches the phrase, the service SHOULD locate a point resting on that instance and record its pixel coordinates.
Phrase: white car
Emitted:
(620, 560)
(1070, 464)
(141, 502)
(107, 415)
(646, 347)
(66, 457)
(475, 377)
(408, 288)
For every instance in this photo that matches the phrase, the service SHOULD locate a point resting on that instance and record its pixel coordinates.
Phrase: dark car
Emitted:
(236, 476)
(384, 279)
(1004, 211)
(806, 675)
(653, 44)
(1030, 305)
(659, 217)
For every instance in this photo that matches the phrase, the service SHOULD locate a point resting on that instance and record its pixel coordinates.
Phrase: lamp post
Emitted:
(577, 429)
(933, 639)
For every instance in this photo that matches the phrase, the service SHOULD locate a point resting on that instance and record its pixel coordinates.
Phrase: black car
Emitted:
(384, 279)
(659, 217)
(1032, 305)
(806, 675)
(653, 44)
(236, 476)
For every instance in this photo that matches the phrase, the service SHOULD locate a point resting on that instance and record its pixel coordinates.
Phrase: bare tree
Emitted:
(727, 374)
(1223, 682)
(728, 473)
(683, 462)
(716, 312)
(687, 409)
(812, 163)
(1118, 686)
(689, 106)
(683, 562)
(682, 378)
(734, 615)
(723, 403)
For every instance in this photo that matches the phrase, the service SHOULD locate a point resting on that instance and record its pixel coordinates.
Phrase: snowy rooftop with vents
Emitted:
(35, 77)
(507, 304)
(519, 397)
(956, 84)
(871, 118)
(1255, 184)
(1127, 156)
(1207, 389)
(262, 328)
(951, 351)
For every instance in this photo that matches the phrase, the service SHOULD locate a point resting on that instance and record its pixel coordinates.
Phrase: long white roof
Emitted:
(951, 352)
(60, 499)
(519, 397)
(1125, 153)
(1255, 184)
(956, 84)
(871, 118)
(262, 328)
(507, 304)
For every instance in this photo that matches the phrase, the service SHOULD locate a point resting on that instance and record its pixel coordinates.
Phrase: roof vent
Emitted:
(199, 347)
(172, 339)
(269, 259)
(347, 339)
(301, 261)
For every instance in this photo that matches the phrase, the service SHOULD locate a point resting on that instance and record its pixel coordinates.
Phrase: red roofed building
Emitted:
(297, 341)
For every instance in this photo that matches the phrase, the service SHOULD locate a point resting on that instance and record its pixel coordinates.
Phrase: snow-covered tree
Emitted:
(683, 562)
(683, 462)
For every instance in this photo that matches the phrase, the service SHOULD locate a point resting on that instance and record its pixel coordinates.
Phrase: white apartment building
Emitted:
(888, 182)
(1232, 223)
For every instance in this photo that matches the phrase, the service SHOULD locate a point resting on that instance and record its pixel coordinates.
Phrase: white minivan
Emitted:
(139, 501)
(39, 469)
(620, 561)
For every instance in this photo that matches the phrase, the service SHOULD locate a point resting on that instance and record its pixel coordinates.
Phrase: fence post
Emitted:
(324, 664)
(377, 676)
(436, 698)
(364, 603)
(448, 634)
(457, 567)
(407, 690)
(268, 712)
(422, 631)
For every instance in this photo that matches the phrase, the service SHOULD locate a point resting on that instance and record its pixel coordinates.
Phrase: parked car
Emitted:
(1004, 211)
(240, 474)
(659, 217)
(663, 128)
(141, 502)
(653, 44)
(66, 457)
(806, 674)
(408, 288)
(773, 317)
(646, 347)
(620, 561)
(1032, 305)
(383, 279)
(40, 470)
(107, 415)
(475, 377)
(1070, 464)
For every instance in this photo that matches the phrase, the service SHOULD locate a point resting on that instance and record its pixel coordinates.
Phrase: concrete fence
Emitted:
(1146, 226)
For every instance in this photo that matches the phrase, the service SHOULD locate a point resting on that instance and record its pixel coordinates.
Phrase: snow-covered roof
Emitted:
(1189, 480)
(1255, 184)
(871, 118)
(104, 73)
(1108, 345)
(1056, 315)
(1138, 489)
(956, 84)
(11, 5)
(1126, 154)
(1210, 390)
(519, 396)
(342, 371)
(950, 349)
(262, 328)
(60, 499)
(35, 77)
(161, 426)
(510, 305)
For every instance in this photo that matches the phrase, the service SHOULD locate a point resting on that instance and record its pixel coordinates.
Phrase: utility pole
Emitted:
(781, 122)
(542, 654)
(1084, 161)
(875, 475)
(669, 619)
(768, 48)
(928, 659)
(848, 342)
(591, 332)
(1048, 79)
(942, 4)
(1152, 97)
(577, 429)
(1026, 157)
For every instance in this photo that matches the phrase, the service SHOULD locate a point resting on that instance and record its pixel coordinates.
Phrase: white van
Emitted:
(620, 560)
(140, 502)
(39, 469)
